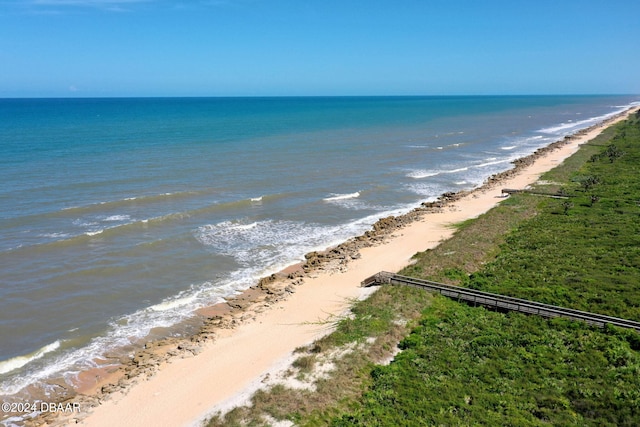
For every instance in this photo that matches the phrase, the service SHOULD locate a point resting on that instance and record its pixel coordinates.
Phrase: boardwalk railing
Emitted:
(500, 302)
(509, 191)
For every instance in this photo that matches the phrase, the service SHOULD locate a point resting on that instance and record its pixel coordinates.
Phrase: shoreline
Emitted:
(179, 380)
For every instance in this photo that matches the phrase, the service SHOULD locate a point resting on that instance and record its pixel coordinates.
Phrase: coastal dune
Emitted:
(225, 371)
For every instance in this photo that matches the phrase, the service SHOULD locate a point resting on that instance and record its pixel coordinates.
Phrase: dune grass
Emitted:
(367, 337)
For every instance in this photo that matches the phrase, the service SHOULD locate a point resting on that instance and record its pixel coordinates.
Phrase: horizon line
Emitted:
(313, 96)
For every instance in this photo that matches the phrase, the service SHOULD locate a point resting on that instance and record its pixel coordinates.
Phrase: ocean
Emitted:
(120, 217)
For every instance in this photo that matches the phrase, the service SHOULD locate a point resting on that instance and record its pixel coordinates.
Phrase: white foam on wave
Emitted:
(256, 199)
(525, 142)
(420, 174)
(260, 247)
(244, 226)
(473, 175)
(153, 196)
(113, 218)
(20, 361)
(55, 235)
(492, 162)
(122, 333)
(271, 245)
(99, 207)
(336, 197)
(571, 126)
(271, 242)
(457, 170)
(565, 126)
(258, 241)
(439, 147)
(81, 223)
(173, 303)
(93, 231)
(428, 190)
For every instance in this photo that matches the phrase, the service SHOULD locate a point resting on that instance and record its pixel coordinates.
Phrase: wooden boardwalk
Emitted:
(500, 302)
(510, 191)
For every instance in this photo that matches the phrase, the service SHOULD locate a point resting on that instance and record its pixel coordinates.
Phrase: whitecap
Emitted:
(117, 218)
(244, 226)
(456, 170)
(335, 197)
(173, 303)
(491, 162)
(267, 243)
(55, 235)
(419, 174)
(20, 361)
(571, 126)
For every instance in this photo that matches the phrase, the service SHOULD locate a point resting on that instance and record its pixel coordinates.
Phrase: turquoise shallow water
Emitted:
(121, 215)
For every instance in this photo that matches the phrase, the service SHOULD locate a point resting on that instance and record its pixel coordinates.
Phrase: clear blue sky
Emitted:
(323, 47)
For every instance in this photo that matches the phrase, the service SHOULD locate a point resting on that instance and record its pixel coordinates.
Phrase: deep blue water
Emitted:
(120, 215)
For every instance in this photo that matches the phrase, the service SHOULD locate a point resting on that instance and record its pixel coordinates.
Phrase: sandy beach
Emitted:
(224, 371)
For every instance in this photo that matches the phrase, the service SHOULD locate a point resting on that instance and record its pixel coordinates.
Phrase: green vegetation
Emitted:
(367, 337)
(588, 257)
(470, 366)
(464, 365)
